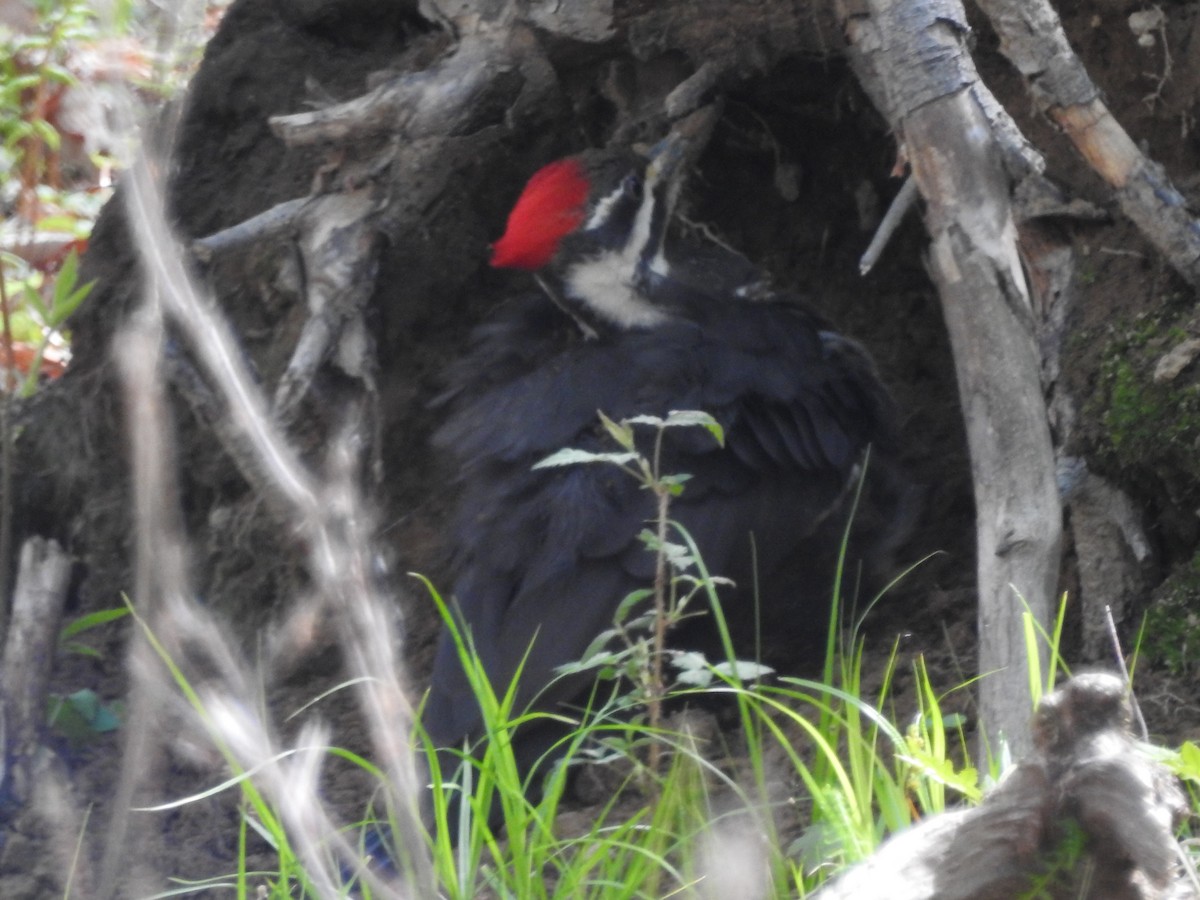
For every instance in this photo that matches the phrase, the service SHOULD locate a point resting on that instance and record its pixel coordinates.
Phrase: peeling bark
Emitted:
(1032, 38)
(913, 61)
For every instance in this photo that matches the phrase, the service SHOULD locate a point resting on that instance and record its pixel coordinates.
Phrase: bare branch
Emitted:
(928, 88)
(472, 87)
(41, 590)
(1032, 38)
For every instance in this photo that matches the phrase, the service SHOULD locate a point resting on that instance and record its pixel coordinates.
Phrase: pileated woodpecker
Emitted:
(655, 322)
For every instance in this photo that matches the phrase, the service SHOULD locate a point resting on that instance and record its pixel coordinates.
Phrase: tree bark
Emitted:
(913, 61)
(1032, 38)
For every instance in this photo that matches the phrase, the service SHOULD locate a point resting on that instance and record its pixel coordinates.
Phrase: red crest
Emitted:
(551, 207)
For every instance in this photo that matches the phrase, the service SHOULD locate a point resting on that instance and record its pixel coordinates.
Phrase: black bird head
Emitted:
(592, 227)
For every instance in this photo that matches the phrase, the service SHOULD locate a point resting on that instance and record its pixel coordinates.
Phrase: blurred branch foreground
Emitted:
(1087, 814)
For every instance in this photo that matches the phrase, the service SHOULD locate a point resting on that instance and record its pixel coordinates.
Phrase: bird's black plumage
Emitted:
(543, 557)
(546, 555)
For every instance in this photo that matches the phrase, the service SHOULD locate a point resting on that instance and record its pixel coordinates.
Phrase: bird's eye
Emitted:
(632, 185)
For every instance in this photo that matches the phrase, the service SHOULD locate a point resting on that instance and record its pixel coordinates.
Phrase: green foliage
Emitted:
(671, 803)
(650, 842)
(866, 777)
(1137, 410)
(634, 649)
(66, 296)
(1185, 764)
(1150, 428)
(1171, 636)
(82, 716)
(1034, 636)
(35, 69)
(32, 65)
(84, 624)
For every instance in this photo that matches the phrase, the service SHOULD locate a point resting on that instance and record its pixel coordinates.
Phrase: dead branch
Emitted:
(470, 88)
(927, 86)
(1087, 773)
(338, 244)
(1032, 38)
(276, 221)
(41, 590)
(418, 118)
(31, 773)
(897, 210)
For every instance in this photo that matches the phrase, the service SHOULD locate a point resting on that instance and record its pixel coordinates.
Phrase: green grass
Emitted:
(814, 775)
(851, 775)
(823, 774)
(811, 778)
(866, 778)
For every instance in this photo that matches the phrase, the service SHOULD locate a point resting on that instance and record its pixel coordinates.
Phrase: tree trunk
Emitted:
(927, 87)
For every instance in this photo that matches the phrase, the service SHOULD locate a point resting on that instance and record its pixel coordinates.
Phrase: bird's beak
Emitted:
(682, 146)
(666, 159)
(669, 160)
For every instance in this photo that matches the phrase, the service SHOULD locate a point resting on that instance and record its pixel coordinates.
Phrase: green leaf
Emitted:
(70, 303)
(34, 301)
(47, 132)
(81, 716)
(24, 83)
(603, 660)
(26, 327)
(689, 659)
(90, 621)
(599, 644)
(619, 432)
(61, 222)
(17, 132)
(1189, 761)
(29, 385)
(678, 555)
(68, 272)
(701, 678)
(692, 418)
(78, 649)
(572, 457)
(632, 599)
(653, 421)
(52, 72)
(67, 296)
(680, 479)
(674, 483)
(693, 668)
(743, 670)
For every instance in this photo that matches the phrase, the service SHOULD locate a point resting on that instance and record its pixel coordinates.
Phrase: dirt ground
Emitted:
(796, 177)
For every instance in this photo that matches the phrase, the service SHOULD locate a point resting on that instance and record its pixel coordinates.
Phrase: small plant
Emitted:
(67, 638)
(82, 715)
(1171, 634)
(635, 648)
(869, 777)
(37, 325)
